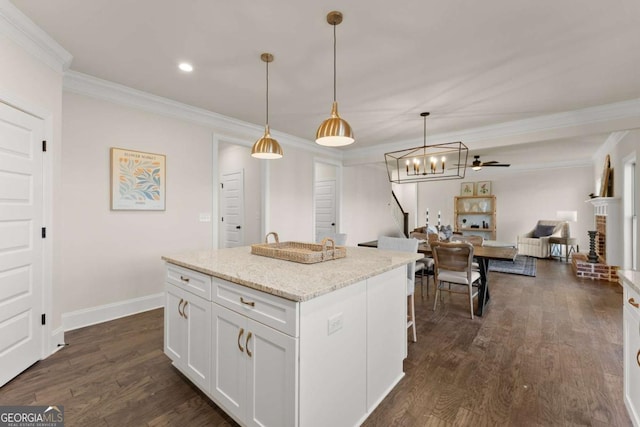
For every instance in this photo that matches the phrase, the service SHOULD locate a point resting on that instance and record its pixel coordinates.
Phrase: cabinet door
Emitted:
(228, 370)
(197, 316)
(632, 363)
(175, 338)
(271, 377)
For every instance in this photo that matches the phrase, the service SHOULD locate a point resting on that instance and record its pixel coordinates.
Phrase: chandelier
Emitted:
(437, 162)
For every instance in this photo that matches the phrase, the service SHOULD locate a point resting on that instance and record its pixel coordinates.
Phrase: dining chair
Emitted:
(453, 267)
(405, 245)
(474, 240)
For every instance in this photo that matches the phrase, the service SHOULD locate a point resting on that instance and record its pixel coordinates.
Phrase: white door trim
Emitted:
(51, 341)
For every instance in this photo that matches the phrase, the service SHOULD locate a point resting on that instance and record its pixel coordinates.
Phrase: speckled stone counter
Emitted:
(291, 280)
(630, 278)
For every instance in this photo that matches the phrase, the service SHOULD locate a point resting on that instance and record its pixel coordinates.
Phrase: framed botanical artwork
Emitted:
(484, 188)
(467, 188)
(138, 180)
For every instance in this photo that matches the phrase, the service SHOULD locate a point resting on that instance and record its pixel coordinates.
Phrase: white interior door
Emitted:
(325, 207)
(21, 247)
(232, 214)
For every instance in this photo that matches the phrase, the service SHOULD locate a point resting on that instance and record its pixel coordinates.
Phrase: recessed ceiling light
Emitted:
(184, 66)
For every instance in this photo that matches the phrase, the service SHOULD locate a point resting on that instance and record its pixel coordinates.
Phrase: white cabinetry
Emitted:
(631, 328)
(270, 361)
(187, 339)
(254, 366)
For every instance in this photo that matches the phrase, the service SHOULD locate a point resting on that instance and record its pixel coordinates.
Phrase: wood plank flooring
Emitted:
(548, 352)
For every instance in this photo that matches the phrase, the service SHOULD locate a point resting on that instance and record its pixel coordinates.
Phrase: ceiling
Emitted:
(471, 64)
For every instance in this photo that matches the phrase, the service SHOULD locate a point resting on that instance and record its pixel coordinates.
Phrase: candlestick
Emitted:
(407, 167)
(443, 160)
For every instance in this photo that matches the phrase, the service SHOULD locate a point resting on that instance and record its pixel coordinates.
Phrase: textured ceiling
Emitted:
(470, 63)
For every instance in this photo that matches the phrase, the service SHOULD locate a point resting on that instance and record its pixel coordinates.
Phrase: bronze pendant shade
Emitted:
(266, 147)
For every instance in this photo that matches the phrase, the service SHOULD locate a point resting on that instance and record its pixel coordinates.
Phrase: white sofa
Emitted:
(529, 244)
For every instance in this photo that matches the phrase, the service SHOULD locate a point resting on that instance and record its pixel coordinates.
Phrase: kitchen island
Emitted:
(278, 343)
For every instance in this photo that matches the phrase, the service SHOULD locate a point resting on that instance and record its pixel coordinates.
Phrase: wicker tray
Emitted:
(306, 253)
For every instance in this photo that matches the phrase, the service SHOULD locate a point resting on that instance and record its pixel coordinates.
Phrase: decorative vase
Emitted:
(484, 206)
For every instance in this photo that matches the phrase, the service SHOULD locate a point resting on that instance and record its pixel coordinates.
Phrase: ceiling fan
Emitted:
(476, 165)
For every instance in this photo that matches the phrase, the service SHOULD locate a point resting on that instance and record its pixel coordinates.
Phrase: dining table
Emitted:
(482, 254)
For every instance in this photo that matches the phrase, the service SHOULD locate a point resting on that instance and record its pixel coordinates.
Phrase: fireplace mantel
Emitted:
(606, 213)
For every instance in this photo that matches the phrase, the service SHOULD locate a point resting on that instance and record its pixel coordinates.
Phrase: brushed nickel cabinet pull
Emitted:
(179, 311)
(184, 307)
(240, 336)
(634, 303)
(184, 279)
(251, 303)
(637, 357)
(246, 344)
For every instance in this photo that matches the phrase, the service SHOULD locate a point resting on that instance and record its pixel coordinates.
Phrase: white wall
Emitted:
(291, 196)
(111, 256)
(366, 212)
(522, 198)
(619, 150)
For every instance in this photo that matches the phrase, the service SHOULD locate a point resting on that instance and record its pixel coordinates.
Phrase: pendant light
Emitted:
(334, 131)
(266, 147)
(428, 162)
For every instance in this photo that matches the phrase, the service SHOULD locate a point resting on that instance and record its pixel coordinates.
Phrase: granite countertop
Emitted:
(630, 278)
(292, 280)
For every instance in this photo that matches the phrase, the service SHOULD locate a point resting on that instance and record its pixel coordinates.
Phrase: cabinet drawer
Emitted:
(197, 283)
(279, 313)
(631, 299)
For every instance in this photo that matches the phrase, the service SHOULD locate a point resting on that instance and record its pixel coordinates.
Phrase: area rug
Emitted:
(523, 265)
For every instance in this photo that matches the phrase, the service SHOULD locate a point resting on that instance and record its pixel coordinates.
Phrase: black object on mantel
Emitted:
(592, 257)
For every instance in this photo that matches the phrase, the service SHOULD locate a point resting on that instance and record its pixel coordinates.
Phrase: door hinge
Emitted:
(222, 219)
(43, 319)
(44, 232)
(44, 145)
(222, 184)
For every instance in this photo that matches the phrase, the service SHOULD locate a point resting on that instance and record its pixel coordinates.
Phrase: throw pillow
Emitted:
(543, 231)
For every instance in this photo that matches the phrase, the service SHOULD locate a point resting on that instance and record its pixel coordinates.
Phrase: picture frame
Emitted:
(483, 188)
(138, 180)
(467, 189)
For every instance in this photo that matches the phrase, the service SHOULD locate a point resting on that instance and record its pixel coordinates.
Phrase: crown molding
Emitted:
(25, 33)
(540, 128)
(84, 84)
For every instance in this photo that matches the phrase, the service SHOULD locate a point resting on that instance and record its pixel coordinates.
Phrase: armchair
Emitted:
(536, 242)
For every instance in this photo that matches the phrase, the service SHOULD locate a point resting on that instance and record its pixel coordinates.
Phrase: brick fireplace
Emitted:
(605, 211)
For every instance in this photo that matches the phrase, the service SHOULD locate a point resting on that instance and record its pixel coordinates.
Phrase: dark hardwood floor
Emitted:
(548, 352)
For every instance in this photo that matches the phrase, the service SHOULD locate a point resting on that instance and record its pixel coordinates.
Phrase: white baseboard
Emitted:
(56, 341)
(103, 313)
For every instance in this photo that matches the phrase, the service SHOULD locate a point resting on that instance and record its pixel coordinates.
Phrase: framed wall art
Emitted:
(138, 180)
(467, 188)
(483, 188)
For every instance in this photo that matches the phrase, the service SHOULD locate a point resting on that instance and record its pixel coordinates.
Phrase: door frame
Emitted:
(216, 226)
(52, 341)
(338, 165)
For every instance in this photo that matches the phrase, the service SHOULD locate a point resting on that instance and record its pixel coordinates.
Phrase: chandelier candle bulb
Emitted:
(438, 218)
(443, 161)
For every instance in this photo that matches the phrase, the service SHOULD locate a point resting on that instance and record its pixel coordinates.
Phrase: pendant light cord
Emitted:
(334, 62)
(424, 143)
(267, 103)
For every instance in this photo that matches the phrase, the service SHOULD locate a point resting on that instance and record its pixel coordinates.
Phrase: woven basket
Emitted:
(306, 253)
